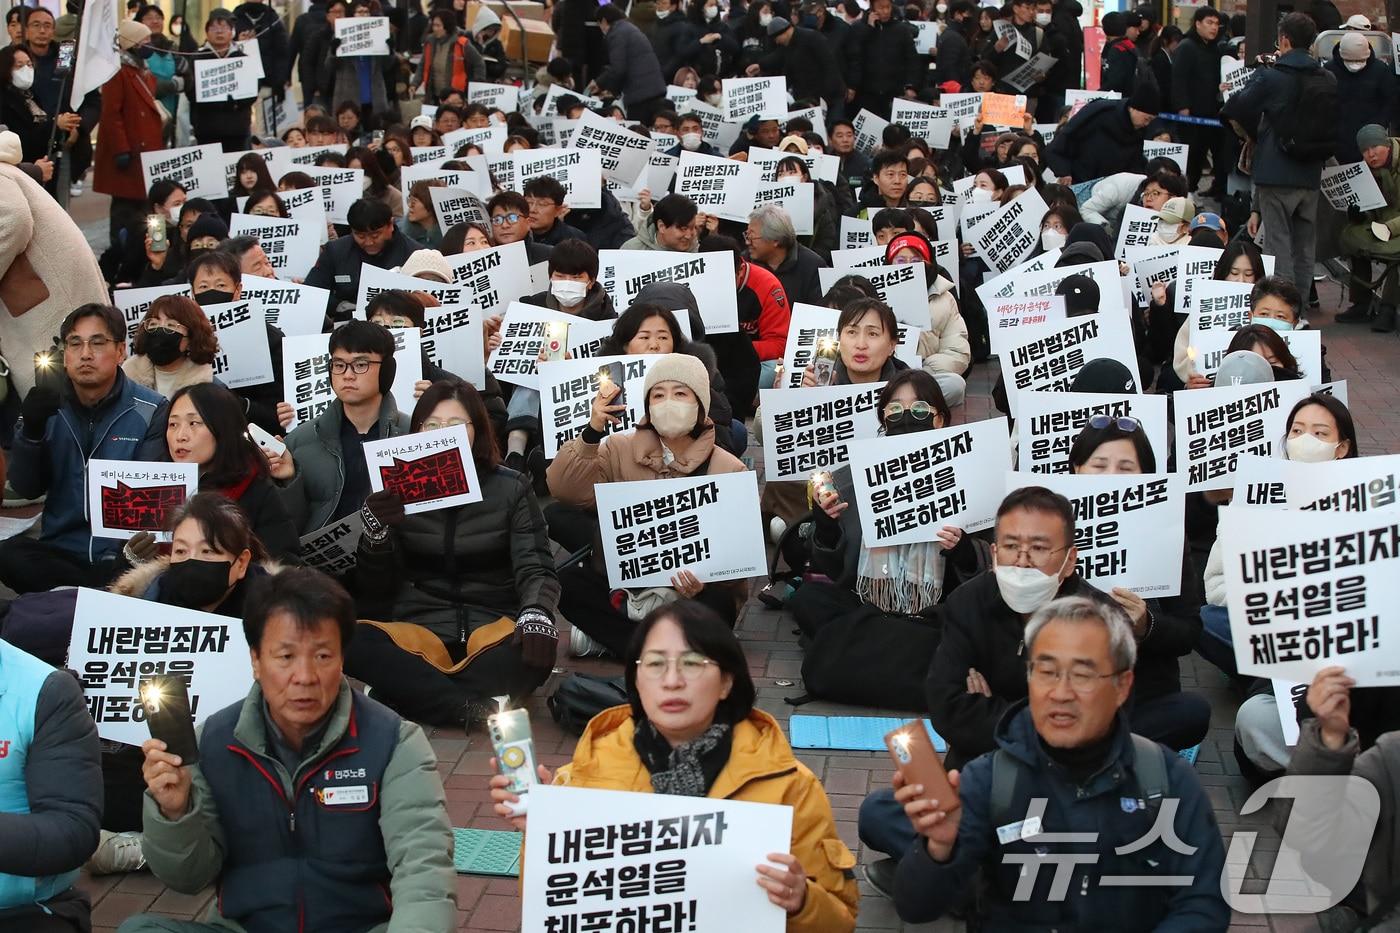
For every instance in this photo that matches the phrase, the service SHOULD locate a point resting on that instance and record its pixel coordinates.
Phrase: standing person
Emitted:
(21, 111)
(163, 64)
(883, 63)
(359, 79)
(449, 58)
(633, 72)
(1289, 110)
(669, 34)
(51, 92)
(805, 57)
(1195, 92)
(311, 22)
(256, 19)
(1007, 58)
(226, 122)
(318, 60)
(954, 59)
(1365, 93)
(1120, 57)
(132, 124)
(711, 47)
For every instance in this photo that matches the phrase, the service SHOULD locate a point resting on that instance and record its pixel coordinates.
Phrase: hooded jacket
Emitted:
(761, 769)
(1097, 141)
(944, 346)
(1260, 104)
(646, 237)
(274, 45)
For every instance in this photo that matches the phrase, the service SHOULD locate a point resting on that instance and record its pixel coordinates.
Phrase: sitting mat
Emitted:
(486, 852)
(1190, 753)
(851, 733)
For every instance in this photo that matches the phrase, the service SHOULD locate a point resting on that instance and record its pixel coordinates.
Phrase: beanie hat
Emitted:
(1243, 368)
(1354, 47)
(1079, 253)
(131, 34)
(1103, 375)
(1146, 100)
(427, 264)
(208, 224)
(682, 368)
(1371, 135)
(1114, 24)
(777, 26)
(11, 152)
(1081, 295)
(915, 241)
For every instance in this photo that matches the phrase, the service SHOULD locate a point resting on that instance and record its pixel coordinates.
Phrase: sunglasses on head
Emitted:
(1124, 424)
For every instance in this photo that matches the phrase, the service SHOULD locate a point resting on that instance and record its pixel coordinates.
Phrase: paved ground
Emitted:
(1367, 361)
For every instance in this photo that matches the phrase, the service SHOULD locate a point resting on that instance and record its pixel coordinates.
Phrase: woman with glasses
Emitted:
(174, 346)
(690, 728)
(943, 345)
(420, 224)
(472, 587)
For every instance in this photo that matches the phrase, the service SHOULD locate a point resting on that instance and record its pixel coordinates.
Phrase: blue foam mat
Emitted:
(1190, 753)
(486, 852)
(850, 733)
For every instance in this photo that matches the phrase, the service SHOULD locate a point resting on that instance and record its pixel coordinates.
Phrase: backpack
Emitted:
(580, 697)
(1008, 771)
(867, 658)
(1305, 130)
(41, 624)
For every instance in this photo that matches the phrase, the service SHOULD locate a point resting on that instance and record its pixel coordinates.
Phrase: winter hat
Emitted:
(11, 152)
(1077, 254)
(1081, 295)
(208, 224)
(485, 19)
(1354, 47)
(777, 26)
(1114, 25)
(131, 34)
(1243, 368)
(682, 368)
(915, 241)
(797, 142)
(1145, 99)
(1371, 135)
(1103, 375)
(1177, 210)
(427, 264)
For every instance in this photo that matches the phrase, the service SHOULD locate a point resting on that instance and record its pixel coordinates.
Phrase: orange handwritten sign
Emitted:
(1004, 110)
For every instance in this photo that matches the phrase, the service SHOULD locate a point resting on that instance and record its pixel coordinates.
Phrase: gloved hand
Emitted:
(1354, 215)
(385, 507)
(538, 638)
(122, 160)
(141, 548)
(39, 406)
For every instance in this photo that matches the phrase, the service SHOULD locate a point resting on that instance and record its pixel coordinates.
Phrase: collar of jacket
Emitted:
(646, 450)
(605, 757)
(1016, 733)
(328, 422)
(113, 395)
(251, 731)
(139, 368)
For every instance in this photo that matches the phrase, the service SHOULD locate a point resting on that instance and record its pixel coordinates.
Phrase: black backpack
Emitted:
(582, 696)
(1305, 130)
(869, 659)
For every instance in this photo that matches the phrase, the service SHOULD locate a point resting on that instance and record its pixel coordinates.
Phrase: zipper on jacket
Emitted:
(449, 534)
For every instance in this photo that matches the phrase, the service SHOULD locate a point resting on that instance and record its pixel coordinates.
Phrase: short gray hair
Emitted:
(775, 224)
(1122, 647)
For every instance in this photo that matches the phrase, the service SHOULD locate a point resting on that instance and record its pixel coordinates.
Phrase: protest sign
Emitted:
(945, 218)
(710, 277)
(860, 257)
(808, 327)
(854, 233)
(308, 204)
(279, 114)
(764, 97)
(567, 390)
(1308, 593)
(332, 549)
(1136, 229)
(934, 125)
(812, 429)
(345, 186)
(1011, 232)
(1152, 265)
(306, 375)
(1047, 282)
(870, 131)
(1015, 175)
(1050, 421)
(904, 288)
(491, 139)
(1351, 185)
(362, 35)
(225, 79)
(1076, 98)
(1010, 313)
(794, 197)
(1005, 110)
(452, 339)
(823, 166)
(1195, 266)
(964, 109)
(197, 169)
(1210, 345)
(127, 497)
(245, 357)
(1336, 388)
(1306, 347)
(1129, 529)
(503, 97)
(291, 307)
(292, 246)
(655, 528)
(1177, 152)
(1356, 484)
(1047, 357)
(374, 281)
(1214, 427)
(478, 183)
(719, 186)
(680, 863)
(580, 171)
(713, 127)
(925, 38)
(1219, 305)
(622, 153)
(680, 97)
(1289, 697)
(283, 159)
(1032, 72)
(455, 206)
(524, 331)
(429, 470)
(1233, 76)
(113, 653)
(134, 303)
(494, 277)
(1004, 284)
(908, 487)
(1047, 131)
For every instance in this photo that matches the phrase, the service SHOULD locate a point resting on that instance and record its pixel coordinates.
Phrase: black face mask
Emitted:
(906, 423)
(195, 584)
(163, 346)
(213, 297)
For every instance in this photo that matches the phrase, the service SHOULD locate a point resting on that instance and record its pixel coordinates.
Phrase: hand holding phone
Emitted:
(266, 441)
(515, 754)
(166, 701)
(48, 369)
(612, 373)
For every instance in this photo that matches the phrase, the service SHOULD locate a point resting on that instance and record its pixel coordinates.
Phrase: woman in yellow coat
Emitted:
(692, 729)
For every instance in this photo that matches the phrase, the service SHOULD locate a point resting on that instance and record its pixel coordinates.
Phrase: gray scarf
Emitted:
(689, 769)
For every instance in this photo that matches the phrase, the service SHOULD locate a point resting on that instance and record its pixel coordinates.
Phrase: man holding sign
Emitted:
(1374, 234)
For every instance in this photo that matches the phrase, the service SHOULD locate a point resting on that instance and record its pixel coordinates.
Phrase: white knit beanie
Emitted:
(11, 152)
(682, 368)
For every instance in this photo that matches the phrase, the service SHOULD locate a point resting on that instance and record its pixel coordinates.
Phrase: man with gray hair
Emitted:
(772, 243)
(1122, 825)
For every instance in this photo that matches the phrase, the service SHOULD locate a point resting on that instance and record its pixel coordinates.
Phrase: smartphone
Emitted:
(267, 442)
(48, 369)
(167, 704)
(613, 373)
(377, 136)
(66, 53)
(916, 759)
(155, 226)
(556, 340)
(824, 363)
(515, 751)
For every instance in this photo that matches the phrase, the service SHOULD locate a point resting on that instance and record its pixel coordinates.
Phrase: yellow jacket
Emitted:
(761, 769)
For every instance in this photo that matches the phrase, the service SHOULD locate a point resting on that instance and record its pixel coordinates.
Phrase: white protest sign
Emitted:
(429, 470)
(134, 303)
(908, 487)
(765, 97)
(245, 358)
(925, 37)
(813, 428)
(622, 153)
(500, 168)
(870, 131)
(1356, 484)
(964, 108)
(1136, 229)
(934, 125)
(855, 233)
(1306, 347)
(1152, 265)
(292, 246)
(452, 339)
(249, 47)
(683, 863)
(1010, 313)
(1050, 421)
(724, 187)
(1078, 97)
(524, 332)
(1177, 152)
(1310, 592)
(308, 204)
(1047, 131)
(1129, 529)
(655, 528)
(495, 277)
(491, 139)
(710, 277)
(1218, 305)
(807, 327)
(113, 653)
(225, 79)
(795, 197)
(455, 206)
(567, 389)
(713, 127)
(1336, 388)
(478, 183)
(1004, 284)
(823, 166)
(1047, 282)
(1233, 75)
(1012, 232)
(1287, 696)
(1032, 72)
(1214, 427)
(1195, 266)
(197, 169)
(1210, 346)
(362, 35)
(332, 549)
(1047, 357)
(904, 288)
(374, 281)
(860, 257)
(306, 376)
(1351, 185)
(503, 97)
(580, 171)
(680, 97)
(345, 187)
(291, 307)
(283, 159)
(127, 497)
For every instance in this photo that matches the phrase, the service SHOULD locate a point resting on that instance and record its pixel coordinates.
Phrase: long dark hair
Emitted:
(252, 162)
(925, 388)
(1346, 427)
(235, 454)
(1246, 337)
(223, 523)
(1234, 250)
(706, 633)
(484, 450)
(369, 163)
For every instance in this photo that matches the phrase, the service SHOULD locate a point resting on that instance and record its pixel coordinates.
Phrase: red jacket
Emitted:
(131, 123)
(768, 327)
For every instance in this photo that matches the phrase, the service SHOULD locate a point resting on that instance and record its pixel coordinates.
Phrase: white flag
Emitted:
(97, 59)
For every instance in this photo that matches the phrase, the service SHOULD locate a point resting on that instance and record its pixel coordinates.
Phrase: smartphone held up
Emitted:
(166, 701)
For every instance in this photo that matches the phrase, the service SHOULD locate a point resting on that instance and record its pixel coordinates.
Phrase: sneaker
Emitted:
(514, 460)
(1384, 322)
(776, 528)
(14, 500)
(880, 874)
(117, 853)
(581, 645)
(75, 190)
(1358, 313)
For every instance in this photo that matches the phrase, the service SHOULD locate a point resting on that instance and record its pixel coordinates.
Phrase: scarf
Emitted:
(902, 578)
(688, 770)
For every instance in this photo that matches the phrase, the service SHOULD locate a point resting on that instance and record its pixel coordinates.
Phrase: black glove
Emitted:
(538, 638)
(1354, 215)
(384, 507)
(122, 160)
(39, 406)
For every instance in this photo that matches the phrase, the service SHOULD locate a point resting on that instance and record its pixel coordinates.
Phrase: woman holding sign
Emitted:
(174, 346)
(691, 728)
(867, 335)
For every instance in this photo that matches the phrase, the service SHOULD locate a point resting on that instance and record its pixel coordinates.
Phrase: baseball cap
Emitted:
(1357, 21)
(420, 122)
(1208, 220)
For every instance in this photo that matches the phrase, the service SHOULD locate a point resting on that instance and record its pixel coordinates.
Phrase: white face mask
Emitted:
(568, 292)
(942, 8)
(672, 418)
(1026, 589)
(1354, 66)
(691, 141)
(979, 196)
(764, 19)
(23, 78)
(1168, 231)
(714, 100)
(662, 14)
(1308, 448)
(1050, 238)
(1042, 19)
(712, 12)
(175, 214)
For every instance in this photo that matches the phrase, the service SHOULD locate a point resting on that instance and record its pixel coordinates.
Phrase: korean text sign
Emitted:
(429, 470)
(127, 497)
(814, 428)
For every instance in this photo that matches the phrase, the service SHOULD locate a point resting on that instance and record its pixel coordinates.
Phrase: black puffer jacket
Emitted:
(882, 61)
(1196, 76)
(1365, 96)
(1099, 141)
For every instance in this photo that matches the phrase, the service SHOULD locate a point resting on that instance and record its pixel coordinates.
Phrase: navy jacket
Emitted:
(1259, 104)
(338, 267)
(633, 72)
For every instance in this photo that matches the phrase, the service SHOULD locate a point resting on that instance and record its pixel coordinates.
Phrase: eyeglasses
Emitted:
(394, 320)
(432, 424)
(359, 367)
(95, 344)
(1038, 553)
(500, 220)
(1082, 681)
(153, 326)
(654, 664)
(1124, 424)
(920, 410)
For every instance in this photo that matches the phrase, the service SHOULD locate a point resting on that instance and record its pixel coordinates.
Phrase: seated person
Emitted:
(674, 437)
(472, 588)
(1241, 262)
(716, 744)
(98, 413)
(1074, 759)
(255, 816)
(322, 473)
(764, 317)
(867, 335)
(545, 195)
(175, 346)
(943, 345)
(373, 241)
(1360, 244)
